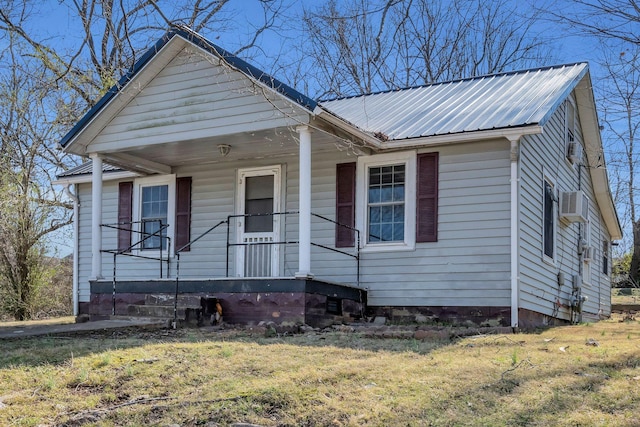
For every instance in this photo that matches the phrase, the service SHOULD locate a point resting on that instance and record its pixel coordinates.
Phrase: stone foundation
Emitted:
(455, 316)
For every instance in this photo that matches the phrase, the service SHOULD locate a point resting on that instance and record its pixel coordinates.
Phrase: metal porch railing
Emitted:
(133, 250)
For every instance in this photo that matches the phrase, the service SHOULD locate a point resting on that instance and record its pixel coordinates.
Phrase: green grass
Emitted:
(192, 377)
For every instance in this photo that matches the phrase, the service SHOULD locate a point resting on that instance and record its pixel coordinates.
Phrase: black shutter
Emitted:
(183, 212)
(427, 198)
(345, 204)
(125, 205)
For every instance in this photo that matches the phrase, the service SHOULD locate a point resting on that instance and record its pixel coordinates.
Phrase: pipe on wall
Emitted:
(514, 227)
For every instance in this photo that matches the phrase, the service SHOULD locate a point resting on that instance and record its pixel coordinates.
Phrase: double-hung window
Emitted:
(154, 211)
(154, 214)
(385, 204)
(386, 196)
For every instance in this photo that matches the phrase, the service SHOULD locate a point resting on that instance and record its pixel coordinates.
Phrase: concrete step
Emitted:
(190, 315)
(167, 300)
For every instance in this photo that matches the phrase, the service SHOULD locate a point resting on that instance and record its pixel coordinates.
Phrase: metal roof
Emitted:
(496, 101)
(86, 169)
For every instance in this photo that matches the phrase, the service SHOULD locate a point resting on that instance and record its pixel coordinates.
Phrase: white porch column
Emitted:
(304, 231)
(96, 216)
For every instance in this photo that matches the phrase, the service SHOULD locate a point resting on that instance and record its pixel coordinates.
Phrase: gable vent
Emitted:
(574, 206)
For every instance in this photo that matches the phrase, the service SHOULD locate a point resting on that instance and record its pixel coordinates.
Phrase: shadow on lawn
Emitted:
(59, 349)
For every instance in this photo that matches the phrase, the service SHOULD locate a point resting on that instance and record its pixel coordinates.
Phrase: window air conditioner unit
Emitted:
(589, 253)
(574, 151)
(574, 206)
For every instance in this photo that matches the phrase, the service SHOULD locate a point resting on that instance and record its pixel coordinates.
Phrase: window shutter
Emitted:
(125, 205)
(427, 198)
(345, 204)
(183, 212)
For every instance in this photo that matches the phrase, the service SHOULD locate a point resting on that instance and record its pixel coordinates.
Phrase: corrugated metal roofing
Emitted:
(496, 101)
(86, 169)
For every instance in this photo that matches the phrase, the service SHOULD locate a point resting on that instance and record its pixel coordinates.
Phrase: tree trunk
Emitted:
(634, 270)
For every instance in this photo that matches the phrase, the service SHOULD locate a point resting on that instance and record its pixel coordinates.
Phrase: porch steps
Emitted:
(189, 309)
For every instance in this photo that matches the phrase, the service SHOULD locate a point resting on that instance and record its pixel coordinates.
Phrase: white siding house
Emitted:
(447, 197)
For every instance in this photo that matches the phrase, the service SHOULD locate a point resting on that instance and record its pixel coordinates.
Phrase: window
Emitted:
(154, 204)
(153, 215)
(385, 207)
(605, 258)
(570, 122)
(549, 220)
(386, 199)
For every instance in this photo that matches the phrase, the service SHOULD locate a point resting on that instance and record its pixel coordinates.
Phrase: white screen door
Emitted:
(258, 199)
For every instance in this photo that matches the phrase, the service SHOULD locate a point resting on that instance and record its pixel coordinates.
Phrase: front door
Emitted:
(259, 226)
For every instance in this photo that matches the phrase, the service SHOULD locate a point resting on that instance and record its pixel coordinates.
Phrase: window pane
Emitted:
(374, 232)
(398, 232)
(398, 193)
(375, 214)
(387, 232)
(374, 194)
(387, 214)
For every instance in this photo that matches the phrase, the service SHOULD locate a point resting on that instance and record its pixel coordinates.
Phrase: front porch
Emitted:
(241, 285)
(244, 300)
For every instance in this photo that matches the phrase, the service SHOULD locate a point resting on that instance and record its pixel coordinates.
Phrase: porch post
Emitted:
(304, 228)
(96, 216)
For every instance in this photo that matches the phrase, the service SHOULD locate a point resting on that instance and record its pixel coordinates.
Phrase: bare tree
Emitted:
(616, 24)
(44, 89)
(621, 102)
(362, 46)
(30, 209)
(115, 33)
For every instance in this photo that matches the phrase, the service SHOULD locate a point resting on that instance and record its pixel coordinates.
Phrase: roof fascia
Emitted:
(329, 117)
(86, 178)
(512, 134)
(595, 158)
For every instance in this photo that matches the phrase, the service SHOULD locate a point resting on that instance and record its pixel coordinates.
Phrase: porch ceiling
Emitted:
(160, 158)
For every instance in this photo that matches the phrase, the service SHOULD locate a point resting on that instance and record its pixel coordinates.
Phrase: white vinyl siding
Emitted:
(539, 287)
(192, 98)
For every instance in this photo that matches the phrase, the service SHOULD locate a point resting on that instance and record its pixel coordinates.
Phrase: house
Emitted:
(481, 200)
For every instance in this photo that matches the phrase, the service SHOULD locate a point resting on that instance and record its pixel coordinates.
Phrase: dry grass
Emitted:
(192, 377)
(42, 322)
(627, 296)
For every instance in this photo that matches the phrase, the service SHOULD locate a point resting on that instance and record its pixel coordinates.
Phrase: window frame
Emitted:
(606, 259)
(152, 181)
(546, 258)
(408, 158)
(569, 128)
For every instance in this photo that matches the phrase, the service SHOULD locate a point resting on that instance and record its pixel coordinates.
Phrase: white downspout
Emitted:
(76, 228)
(96, 217)
(304, 228)
(515, 272)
